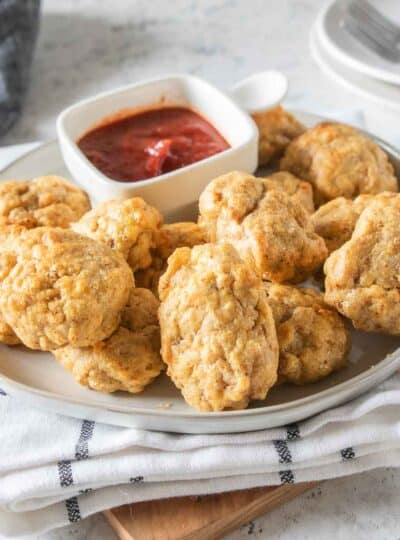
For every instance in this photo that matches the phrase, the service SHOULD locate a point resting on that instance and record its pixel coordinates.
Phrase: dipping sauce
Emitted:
(151, 143)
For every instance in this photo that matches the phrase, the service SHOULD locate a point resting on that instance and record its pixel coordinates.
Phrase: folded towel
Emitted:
(56, 470)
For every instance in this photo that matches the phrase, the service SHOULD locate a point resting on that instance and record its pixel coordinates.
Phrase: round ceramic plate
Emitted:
(347, 50)
(380, 92)
(38, 380)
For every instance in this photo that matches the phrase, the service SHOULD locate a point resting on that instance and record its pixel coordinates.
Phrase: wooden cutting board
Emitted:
(206, 517)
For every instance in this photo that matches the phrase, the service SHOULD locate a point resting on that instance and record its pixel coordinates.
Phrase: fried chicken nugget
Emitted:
(128, 226)
(168, 238)
(362, 277)
(339, 162)
(272, 234)
(8, 235)
(335, 220)
(300, 192)
(218, 336)
(48, 201)
(7, 334)
(61, 288)
(313, 340)
(129, 359)
(277, 128)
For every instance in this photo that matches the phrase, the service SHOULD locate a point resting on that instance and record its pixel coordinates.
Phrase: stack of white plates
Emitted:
(349, 62)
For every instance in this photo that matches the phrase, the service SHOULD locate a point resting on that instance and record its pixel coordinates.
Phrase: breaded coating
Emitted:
(174, 235)
(218, 336)
(168, 238)
(8, 235)
(61, 288)
(150, 277)
(272, 234)
(313, 340)
(277, 128)
(128, 226)
(339, 162)
(140, 311)
(7, 334)
(362, 277)
(129, 359)
(300, 192)
(335, 220)
(49, 201)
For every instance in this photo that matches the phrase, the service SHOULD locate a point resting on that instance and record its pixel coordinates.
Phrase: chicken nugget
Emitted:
(218, 336)
(339, 161)
(313, 340)
(277, 128)
(48, 201)
(273, 235)
(128, 226)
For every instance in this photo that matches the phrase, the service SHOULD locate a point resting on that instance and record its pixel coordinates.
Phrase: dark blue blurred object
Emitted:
(19, 22)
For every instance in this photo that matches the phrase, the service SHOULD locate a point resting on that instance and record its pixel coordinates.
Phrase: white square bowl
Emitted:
(174, 193)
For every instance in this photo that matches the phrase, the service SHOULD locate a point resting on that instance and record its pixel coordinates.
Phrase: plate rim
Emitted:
(345, 386)
(380, 74)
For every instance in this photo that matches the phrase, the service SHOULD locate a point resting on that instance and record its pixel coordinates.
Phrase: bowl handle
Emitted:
(261, 91)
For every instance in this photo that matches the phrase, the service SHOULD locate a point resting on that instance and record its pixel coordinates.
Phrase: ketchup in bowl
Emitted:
(151, 143)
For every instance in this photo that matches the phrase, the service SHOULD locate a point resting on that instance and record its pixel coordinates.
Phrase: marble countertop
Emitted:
(86, 46)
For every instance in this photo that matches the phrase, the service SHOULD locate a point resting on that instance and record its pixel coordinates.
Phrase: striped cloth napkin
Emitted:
(56, 470)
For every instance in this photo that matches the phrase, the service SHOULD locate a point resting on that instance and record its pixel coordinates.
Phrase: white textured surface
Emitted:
(90, 45)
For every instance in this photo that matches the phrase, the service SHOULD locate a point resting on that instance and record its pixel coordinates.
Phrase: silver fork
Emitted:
(373, 29)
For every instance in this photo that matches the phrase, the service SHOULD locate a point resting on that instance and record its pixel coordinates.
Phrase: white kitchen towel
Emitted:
(56, 470)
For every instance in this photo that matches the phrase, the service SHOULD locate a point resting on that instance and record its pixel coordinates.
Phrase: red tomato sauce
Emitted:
(151, 143)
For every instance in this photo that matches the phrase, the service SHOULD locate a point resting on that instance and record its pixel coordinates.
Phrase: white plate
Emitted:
(38, 380)
(380, 92)
(347, 50)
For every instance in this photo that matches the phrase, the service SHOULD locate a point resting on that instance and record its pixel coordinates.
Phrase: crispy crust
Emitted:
(128, 226)
(313, 340)
(339, 161)
(62, 288)
(7, 334)
(168, 238)
(129, 359)
(335, 220)
(300, 192)
(44, 201)
(277, 128)
(362, 277)
(217, 332)
(271, 233)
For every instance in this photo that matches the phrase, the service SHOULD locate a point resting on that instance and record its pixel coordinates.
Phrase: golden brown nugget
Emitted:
(174, 235)
(272, 234)
(362, 277)
(128, 226)
(129, 359)
(168, 238)
(62, 288)
(300, 192)
(339, 162)
(44, 201)
(7, 334)
(277, 128)
(140, 311)
(8, 235)
(313, 340)
(335, 220)
(218, 336)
